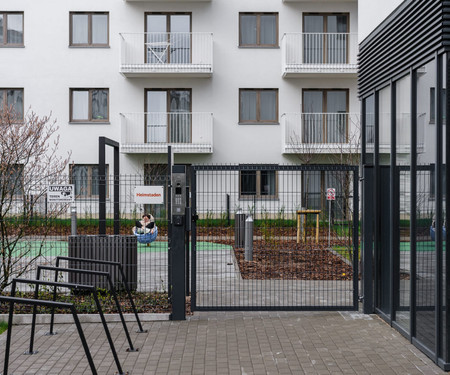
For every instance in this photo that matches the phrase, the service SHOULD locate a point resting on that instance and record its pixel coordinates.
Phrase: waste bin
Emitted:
(239, 229)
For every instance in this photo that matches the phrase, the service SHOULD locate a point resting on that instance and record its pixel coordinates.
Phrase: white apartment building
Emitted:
(222, 81)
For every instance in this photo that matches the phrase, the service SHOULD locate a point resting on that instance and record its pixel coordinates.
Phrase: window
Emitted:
(258, 106)
(89, 105)
(12, 180)
(259, 184)
(433, 104)
(168, 38)
(11, 29)
(89, 29)
(325, 38)
(168, 116)
(325, 116)
(258, 29)
(12, 98)
(85, 178)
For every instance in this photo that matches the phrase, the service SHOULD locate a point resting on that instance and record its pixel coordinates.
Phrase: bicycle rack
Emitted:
(94, 292)
(35, 303)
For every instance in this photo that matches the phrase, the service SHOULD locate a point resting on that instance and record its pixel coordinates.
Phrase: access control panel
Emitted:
(178, 189)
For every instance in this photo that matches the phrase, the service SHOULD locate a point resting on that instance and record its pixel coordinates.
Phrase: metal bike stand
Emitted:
(124, 282)
(94, 292)
(87, 272)
(35, 303)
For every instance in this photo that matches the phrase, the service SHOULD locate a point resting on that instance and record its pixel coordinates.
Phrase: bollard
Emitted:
(239, 229)
(248, 239)
(73, 220)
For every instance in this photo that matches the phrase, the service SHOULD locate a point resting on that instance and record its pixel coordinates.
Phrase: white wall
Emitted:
(47, 67)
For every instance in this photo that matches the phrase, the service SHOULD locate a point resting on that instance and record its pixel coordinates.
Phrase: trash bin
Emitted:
(239, 229)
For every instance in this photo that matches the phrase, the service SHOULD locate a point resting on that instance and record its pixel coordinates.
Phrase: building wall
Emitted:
(47, 67)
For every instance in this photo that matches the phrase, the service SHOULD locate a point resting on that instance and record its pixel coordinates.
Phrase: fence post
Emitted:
(249, 239)
(73, 220)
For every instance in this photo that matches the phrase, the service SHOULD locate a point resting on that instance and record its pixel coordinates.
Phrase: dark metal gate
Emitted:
(302, 252)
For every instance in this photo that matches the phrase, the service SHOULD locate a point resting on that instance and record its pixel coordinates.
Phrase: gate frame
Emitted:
(276, 167)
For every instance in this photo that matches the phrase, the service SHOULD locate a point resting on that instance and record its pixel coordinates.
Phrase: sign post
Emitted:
(331, 196)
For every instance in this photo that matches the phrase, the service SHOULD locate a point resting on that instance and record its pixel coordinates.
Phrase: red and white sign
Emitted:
(149, 194)
(331, 194)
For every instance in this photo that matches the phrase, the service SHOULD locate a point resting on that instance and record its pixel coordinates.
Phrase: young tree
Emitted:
(28, 164)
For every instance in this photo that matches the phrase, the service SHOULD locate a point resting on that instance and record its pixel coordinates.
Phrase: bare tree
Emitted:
(29, 162)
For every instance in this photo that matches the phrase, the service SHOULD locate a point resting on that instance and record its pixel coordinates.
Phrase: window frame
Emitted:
(90, 167)
(258, 194)
(258, 30)
(258, 120)
(5, 30)
(89, 44)
(90, 120)
(3, 105)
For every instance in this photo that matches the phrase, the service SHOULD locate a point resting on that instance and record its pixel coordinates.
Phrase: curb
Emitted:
(20, 319)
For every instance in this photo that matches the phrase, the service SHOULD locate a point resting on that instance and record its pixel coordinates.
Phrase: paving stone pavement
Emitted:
(228, 343)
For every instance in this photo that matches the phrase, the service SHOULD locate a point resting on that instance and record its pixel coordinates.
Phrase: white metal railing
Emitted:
(166, 52)
(330, 52)
(317, 129)
(156, 130)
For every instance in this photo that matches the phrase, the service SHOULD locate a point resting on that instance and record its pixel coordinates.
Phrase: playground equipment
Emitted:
(146, 238)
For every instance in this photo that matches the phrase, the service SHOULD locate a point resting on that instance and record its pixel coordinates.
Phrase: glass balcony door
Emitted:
(168, 38)
(168, 116)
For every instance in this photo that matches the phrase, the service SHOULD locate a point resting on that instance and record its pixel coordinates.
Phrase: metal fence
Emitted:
(304, 255)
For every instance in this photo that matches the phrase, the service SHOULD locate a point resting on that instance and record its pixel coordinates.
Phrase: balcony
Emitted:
(166, 54)
(317, 133)
(319, 54)
(152, 132)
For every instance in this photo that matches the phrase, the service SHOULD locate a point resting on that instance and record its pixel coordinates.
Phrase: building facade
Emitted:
(267, 82)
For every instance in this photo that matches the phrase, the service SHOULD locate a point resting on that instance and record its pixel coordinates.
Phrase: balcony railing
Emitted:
(173, 54)
(152, 132)
(319, 53)
(318, 132)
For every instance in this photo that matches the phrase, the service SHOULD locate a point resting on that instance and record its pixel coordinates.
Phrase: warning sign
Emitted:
(61, 194)
(149, 194)
(331, 194)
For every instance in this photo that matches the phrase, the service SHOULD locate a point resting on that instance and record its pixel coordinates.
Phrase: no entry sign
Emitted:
(331, 194)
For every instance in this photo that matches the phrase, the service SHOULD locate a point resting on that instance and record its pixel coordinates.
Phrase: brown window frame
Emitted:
(90, 120)
(258, 194)
(89, 44)
(258, 29)
(258, 108)
(168, 27)
(5, 89)
(89, 191)
(5, 30)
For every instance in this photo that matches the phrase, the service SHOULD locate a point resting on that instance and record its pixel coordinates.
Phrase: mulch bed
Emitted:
(295, 262)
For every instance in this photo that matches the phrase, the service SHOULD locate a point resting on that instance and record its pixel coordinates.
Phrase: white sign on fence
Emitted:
(61, 194)
(149, 194)
(331, 194)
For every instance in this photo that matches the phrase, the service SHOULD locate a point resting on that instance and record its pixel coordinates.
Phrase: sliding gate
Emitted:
(304, 247)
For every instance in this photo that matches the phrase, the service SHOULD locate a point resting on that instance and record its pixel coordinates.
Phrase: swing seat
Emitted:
(146, 238)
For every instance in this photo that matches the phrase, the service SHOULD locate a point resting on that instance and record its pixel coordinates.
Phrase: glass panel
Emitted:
(337, 23)
(425, 210)
(80, 180)
(1, 29)
(268, 32)
(248, 183)
(403, 158)
(248, 30)
(80, 28)
(80, 105)
(370, 129)
(311, 197)
(337, 41)
(312, 117)
(248, 106)
(99, 104)
(268, 183)
(336, 117)
(313, 39)
(180, 39)
(385, 125)
(157, 43)
(15, 28)
(180, 116)
(99, 29)
(157, 116)
(95, 180)
(14, 98)
(268, 104)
